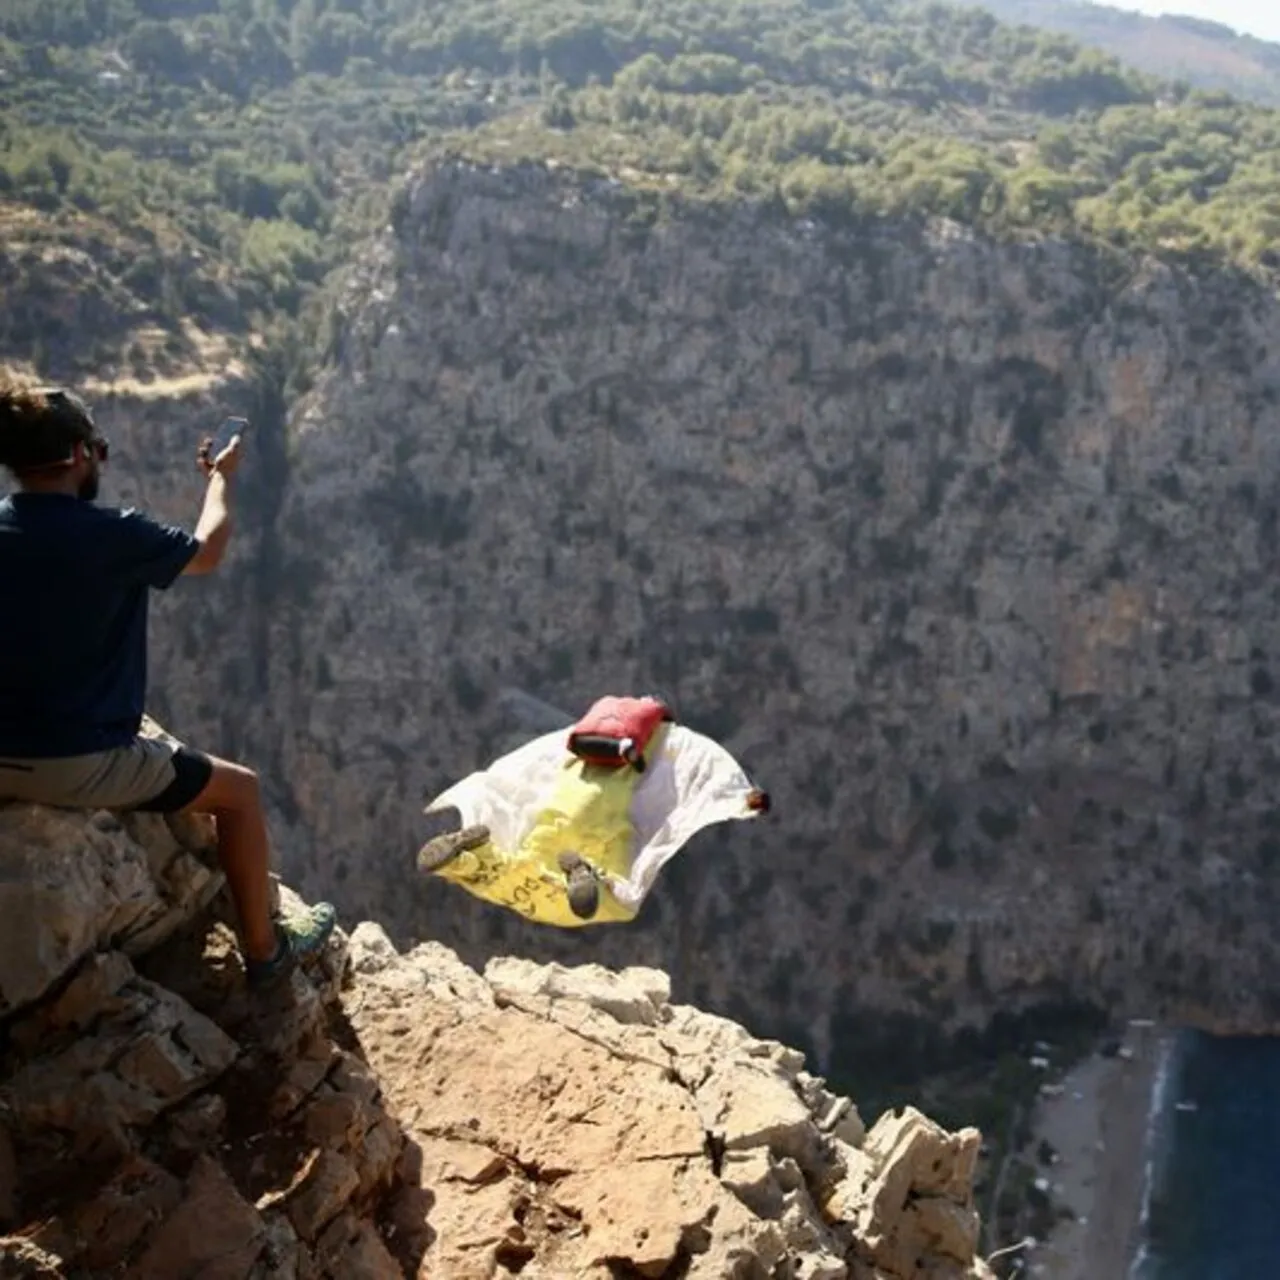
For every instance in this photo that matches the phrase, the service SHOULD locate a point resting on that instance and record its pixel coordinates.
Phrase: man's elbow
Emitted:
(207, 558)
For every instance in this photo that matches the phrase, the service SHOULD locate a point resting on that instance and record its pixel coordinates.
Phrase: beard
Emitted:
(88, 489)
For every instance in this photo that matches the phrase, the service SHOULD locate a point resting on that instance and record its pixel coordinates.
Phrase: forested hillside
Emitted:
(218, 154)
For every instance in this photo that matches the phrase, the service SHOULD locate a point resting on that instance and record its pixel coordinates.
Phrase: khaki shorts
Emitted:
(154, 772)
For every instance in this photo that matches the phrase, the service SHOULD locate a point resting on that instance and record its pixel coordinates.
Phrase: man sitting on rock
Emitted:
(74, 578)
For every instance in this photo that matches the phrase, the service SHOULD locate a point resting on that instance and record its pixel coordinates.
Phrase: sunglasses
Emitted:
(95, 446)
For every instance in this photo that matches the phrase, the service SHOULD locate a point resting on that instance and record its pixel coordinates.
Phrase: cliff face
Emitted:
(965, 548)
(402, 1115)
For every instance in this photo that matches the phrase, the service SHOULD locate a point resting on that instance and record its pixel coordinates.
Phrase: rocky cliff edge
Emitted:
(396, 1115)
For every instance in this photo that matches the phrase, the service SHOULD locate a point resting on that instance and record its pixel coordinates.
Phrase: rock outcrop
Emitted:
(394, 1114)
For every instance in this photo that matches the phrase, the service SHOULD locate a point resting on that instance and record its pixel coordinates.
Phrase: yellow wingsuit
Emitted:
(588, 812)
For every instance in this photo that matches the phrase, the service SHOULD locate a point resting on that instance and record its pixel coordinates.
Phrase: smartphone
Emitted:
(228, 428)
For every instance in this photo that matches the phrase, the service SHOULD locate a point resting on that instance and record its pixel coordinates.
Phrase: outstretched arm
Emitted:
(213, 530)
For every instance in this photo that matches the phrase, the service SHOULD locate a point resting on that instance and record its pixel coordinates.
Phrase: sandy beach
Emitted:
(1097, 1124)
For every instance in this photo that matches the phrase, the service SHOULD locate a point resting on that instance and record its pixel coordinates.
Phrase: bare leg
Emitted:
(232, 796)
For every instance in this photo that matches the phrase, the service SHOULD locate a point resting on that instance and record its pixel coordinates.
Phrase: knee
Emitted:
(232, 788)
(246, 784)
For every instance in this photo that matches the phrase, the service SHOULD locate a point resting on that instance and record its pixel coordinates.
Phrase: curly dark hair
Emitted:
(39, 425)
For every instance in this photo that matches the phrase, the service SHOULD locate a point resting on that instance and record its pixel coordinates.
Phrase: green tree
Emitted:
(157, 48)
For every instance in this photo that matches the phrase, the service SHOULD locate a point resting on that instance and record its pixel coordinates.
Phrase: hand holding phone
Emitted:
(213, 448)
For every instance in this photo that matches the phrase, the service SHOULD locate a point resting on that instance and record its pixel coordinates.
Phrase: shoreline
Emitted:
(1096, 1118)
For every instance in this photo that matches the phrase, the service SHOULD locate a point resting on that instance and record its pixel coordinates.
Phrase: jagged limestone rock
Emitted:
(388, 1115)
(906, 1202)
(115, 1052)
(632, 996)
(585, 1121)
(69, 886)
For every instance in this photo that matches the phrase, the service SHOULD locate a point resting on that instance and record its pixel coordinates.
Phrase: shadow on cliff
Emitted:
(406, 1224)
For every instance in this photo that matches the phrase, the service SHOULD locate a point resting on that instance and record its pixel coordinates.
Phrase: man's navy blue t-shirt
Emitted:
(74, 581)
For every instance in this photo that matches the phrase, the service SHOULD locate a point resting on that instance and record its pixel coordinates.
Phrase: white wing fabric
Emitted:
(540, 800)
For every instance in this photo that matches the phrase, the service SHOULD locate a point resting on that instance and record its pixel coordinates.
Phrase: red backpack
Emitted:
(617, 731)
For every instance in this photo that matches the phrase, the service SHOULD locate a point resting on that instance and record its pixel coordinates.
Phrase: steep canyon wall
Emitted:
(966, 549)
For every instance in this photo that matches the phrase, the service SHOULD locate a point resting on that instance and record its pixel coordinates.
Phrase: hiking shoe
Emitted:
(442, 850)
(300, 938)
(583, 885)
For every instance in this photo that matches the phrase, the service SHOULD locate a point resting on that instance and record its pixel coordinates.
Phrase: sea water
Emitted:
(1211, 1201)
